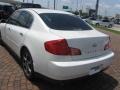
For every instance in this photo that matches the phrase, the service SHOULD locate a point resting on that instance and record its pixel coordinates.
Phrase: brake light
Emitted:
(107, 46)
(60, 47)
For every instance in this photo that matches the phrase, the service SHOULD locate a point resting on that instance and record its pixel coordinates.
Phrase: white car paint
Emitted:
(95, 22)
(108, 24)
(59, 67)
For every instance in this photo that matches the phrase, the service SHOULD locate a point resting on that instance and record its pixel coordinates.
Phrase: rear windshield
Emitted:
(64, 22)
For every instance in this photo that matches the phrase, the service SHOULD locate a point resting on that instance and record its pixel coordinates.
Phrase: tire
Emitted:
(110, 26)
(27, 64)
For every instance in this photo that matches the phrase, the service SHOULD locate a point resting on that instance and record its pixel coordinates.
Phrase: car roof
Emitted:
(39, 11)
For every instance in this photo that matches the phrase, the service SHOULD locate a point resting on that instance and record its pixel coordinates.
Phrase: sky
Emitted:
(106, 7)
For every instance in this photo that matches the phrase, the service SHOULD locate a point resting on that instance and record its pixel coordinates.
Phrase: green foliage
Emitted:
(107, 29)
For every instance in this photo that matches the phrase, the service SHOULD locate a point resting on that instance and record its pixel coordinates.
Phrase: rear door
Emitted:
(16, 32)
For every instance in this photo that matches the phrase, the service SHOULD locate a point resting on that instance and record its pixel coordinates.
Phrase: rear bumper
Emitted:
(76, 69)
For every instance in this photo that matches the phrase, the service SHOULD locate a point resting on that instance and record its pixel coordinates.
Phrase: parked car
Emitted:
(56, 44)
(117, 21)
(27, 5)
(93, 21)
(96, 22)
(104, 22)
(6, 10)
(107, 23)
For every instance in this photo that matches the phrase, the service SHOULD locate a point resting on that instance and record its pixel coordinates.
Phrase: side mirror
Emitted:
(3, 21)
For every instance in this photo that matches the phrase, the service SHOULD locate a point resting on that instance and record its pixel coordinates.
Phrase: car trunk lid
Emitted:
(90, 42)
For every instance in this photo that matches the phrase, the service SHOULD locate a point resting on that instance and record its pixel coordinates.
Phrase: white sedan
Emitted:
(56, 44)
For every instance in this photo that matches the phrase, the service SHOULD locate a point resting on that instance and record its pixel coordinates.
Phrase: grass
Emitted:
(107, 29)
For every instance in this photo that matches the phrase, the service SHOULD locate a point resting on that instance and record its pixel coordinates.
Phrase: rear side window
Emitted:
(64, 22)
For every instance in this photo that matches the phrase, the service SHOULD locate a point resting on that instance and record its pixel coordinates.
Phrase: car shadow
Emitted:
(101, 81)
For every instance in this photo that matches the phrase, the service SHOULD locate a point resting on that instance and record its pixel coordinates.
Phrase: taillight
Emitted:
(107, 46)
(60, 47)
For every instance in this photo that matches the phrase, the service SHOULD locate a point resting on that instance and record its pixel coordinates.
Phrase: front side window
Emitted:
(25, 19)
(21, 18)
(13, 18)
(64, 22)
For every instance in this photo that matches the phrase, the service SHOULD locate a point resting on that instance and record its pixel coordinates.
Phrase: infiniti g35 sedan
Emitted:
(56, 44)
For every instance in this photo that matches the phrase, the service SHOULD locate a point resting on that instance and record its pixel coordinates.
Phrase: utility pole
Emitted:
(23, 0)
(97, 7)
(48, 4)
(77, 5)
(32, 1)
(54, 4)
(82, 3)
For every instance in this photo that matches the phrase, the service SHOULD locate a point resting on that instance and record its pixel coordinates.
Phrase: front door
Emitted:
(17, 28)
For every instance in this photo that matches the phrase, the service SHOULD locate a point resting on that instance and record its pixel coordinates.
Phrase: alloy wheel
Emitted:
(27, 64)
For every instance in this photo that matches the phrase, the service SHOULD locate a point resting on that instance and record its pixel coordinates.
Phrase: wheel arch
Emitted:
(23, 48)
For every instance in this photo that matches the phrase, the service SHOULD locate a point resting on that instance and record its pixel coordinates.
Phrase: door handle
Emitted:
(21, 34)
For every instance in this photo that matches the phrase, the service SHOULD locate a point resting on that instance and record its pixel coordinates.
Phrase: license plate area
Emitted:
(95, 69)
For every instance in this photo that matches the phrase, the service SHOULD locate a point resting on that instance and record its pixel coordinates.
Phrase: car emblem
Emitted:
(94, 45)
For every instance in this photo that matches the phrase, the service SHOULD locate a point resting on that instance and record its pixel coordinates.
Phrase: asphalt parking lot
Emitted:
(12, 77)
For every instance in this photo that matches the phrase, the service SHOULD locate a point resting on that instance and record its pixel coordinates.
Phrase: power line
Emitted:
(81, 5)
(32, 1)
(54, 4)
(77, 6)
(48, 3)
(97, 7)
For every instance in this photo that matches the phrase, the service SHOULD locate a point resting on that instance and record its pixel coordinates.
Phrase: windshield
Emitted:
(64, 22)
